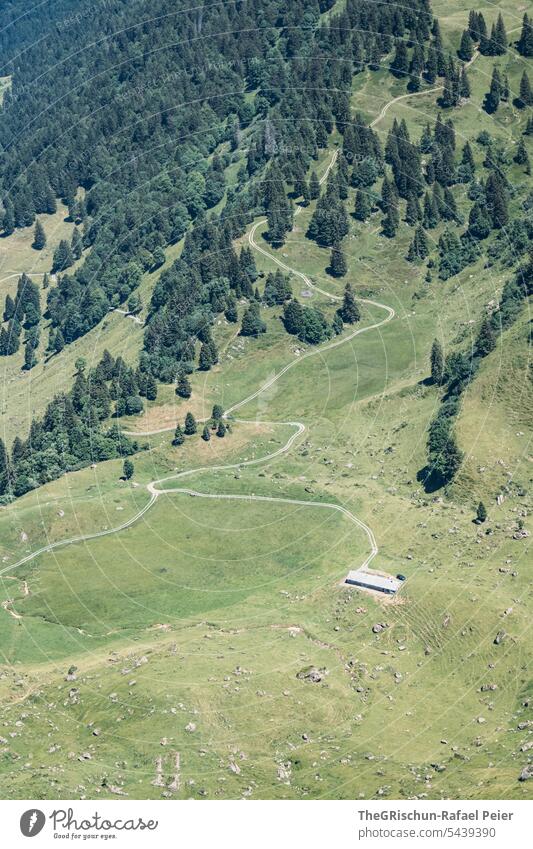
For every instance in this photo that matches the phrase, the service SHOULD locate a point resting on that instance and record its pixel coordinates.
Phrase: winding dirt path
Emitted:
(434, 90)
(156, 488)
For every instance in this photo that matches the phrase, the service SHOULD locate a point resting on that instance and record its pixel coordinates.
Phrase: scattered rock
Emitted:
(526, 773)
(312, 674)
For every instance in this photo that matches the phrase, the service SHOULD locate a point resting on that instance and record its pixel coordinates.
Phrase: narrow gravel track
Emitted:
(156, 487)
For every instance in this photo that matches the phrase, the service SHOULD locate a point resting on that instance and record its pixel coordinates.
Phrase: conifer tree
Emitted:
(151, 388)
(8, 221)
(521, 156)
(400, 63)
(505, 88)
(497, 200)
(431, 214)
(525, 42)
(464, 85)
(252, 324)
(486, 339)
(389, 196)
(190, 424)
(349, 311)
(525, 97)
(413, 212)
(179, 436)
(419, 247)
(221, 429)
(63, 257)
(59, 342)
(128, 470)
(479, 224)
(30, 359)
(76, 244)
(206, 433)
(337, 263)
(9, 308)
(205, 358)
(314, 187)
(183, 387)
(481, 513)
(466, 49)
(499, 37)
(39, 236)
(437, 363)
(293, 317)
(431, 66)
(492, 98)
(231, 312)
(362, 205)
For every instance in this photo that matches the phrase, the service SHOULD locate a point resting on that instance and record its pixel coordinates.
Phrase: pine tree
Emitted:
(479, 224)
(9, 308)
(63, 257)
(8, 221)
(59, 342)
(499, 38)
(206, 433)
(481, 513)
(314, 187)
(437, 363)
(217, 412)
(128, 470)
(389, 197)
(419, 247)
(497, 200)
(221, 429)
(231, 312)
(362, 205)
(486, 339)
(431, 214)
(39, 236)
(431, 66)
(151, 388)
(252, 324)
(183, 387)
(525, 97)
(400, 63)
(205, 359)
(337, 263)
(293, 317)
(179, 437)
(190, 424)
(484, 41)
(466, 49)
(349, 311)
(4, 468)
(464, 85)
(492, 98)
(413, 212)
(521, 157)
(525, 42)
(30, 359)
(76, 244)
(505, 88)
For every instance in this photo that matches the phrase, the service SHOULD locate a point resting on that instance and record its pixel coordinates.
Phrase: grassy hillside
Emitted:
(213, 649)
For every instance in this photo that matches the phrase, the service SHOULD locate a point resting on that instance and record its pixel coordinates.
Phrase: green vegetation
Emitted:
(381, 300)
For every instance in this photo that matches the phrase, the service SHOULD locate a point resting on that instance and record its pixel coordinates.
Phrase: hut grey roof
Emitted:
(373, 580)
